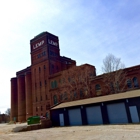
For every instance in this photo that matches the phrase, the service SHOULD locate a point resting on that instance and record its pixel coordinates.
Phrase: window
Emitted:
(65, 96)
(74, 94)
(47, 106)
(34, 71)
(40, 83)
(46, 97)
(57, 68)
(41, 98)
(45, 82)
(61, 97)
(35, 85)
(36, 109)
(36, 99)
(135, 81)
(41, 108)
(129, 83)
(69, 79)
(39, 69)
(52, 85)
(55, 99)
(81, 93)
(117, 86)
(55, 84)
(112, 87)
(85, 92)
(47, 115)
(41, 54)
(98, 89)
(44, 67)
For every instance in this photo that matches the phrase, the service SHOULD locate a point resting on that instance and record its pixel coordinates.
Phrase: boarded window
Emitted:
(98, 89)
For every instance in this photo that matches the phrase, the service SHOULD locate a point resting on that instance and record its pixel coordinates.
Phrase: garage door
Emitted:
(134, 114)
(117, 113)
(94, 115)
(75, 116)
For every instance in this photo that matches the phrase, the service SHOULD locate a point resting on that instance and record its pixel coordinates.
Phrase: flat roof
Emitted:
(117, 96)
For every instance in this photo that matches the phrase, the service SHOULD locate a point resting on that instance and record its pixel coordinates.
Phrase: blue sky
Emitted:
(87, 30)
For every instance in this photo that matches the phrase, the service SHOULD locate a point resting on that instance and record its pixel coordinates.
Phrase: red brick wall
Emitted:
(14, 99)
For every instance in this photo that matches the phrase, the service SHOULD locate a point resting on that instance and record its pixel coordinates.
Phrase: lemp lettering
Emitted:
(52, 42)
(38, 44)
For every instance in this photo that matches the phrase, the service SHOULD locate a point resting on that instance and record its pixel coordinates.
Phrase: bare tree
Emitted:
(114, 74)
(76, 82)
(8, 111)
(112, 63)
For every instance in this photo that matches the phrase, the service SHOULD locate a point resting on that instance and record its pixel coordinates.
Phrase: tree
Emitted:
(8, 111)
(76, 83)
(112, 63)
(114, 74)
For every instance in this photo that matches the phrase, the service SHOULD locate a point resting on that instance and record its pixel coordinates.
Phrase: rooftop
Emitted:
(124, 95)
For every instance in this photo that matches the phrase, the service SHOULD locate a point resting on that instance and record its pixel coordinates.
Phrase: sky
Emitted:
(88, 31)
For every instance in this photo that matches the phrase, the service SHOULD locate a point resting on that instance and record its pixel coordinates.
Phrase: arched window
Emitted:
(129, 83)
(98, 89)
(135, 81)
(55, 99)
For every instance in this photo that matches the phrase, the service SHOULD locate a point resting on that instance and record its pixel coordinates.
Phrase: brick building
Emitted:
(38, 90)
(4, 118)
(30, 88)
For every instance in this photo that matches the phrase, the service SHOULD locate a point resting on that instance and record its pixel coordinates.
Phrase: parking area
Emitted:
(99, 132)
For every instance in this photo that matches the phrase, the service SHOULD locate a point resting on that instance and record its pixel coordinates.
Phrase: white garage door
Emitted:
(117, 113)
(94, 115)
(75, 116)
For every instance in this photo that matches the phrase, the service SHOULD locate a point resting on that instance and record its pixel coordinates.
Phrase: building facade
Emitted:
(52, 80)
(30, 88)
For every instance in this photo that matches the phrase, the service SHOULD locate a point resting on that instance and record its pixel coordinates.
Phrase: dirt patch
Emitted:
(102, 132)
